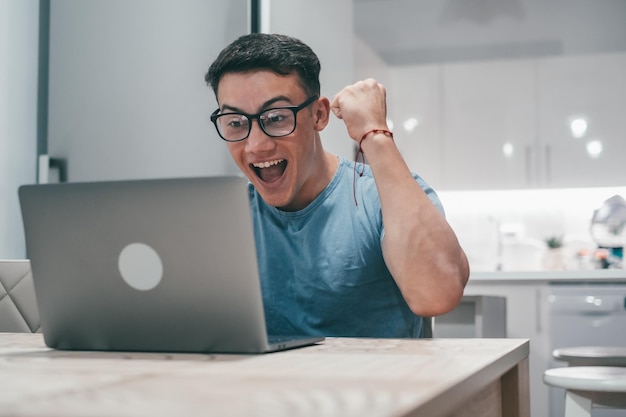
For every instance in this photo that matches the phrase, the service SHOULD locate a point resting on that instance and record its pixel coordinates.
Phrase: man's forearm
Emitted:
(420, 248)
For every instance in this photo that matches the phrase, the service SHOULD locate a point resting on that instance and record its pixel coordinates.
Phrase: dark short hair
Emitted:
(281, 54)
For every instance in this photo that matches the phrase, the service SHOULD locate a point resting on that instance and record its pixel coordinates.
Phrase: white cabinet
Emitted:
(488, 124)
(506, 124)
(593, 88)
(526, 318)
(414, 98)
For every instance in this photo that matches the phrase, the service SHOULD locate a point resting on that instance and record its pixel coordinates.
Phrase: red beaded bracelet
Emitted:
(386, 132)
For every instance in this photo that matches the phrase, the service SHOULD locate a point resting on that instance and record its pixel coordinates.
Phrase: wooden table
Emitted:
(339, 377)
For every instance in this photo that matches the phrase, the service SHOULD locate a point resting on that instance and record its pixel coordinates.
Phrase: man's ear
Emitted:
(321, 113)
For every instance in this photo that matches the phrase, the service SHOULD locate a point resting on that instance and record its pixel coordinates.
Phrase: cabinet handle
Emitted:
(548, 156)
(527, 166)
(538, 309)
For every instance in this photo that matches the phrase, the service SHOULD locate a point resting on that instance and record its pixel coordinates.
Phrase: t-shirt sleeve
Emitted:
(430, 192)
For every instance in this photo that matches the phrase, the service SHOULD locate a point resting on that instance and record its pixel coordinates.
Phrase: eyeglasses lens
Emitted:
(278, 122)
(233, 126)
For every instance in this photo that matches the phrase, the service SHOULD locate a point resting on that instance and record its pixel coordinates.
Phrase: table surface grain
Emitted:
(338, 377)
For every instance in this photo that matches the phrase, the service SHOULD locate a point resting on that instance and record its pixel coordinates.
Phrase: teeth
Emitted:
(267, 164)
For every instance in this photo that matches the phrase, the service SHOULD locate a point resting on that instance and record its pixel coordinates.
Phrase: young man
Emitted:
(344, 249)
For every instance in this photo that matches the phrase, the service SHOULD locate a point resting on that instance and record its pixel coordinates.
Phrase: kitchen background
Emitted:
(507, 229)
(115, 89)
(513, 110)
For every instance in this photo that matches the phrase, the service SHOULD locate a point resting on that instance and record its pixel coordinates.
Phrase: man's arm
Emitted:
(420, 248)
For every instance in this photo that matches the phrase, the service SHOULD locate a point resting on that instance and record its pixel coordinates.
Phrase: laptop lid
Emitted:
(163, 265)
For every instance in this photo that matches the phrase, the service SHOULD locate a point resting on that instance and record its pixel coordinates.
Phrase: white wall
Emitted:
(368, 64)
(326, 26)
(19, 30)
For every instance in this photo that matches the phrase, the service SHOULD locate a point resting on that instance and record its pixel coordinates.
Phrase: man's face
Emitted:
(283, 170)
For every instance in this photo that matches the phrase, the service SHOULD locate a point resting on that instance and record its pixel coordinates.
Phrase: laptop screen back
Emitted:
(145, 265)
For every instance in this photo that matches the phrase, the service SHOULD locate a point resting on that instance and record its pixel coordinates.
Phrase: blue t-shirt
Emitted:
(322, 268)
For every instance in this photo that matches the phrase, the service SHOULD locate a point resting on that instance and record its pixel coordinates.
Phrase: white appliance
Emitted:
(585, 315)
(127, 97)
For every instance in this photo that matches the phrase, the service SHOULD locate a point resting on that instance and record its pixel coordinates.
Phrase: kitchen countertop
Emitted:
(579, 276)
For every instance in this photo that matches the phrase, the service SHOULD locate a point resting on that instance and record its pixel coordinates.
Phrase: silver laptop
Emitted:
(162, 265)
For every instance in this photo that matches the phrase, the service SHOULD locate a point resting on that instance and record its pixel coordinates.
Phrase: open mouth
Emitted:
(269, 171)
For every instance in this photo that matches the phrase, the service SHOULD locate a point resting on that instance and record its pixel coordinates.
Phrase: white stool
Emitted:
(588, 386)
(592, 355)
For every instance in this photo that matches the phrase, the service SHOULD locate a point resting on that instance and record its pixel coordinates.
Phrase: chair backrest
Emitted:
(18, 305)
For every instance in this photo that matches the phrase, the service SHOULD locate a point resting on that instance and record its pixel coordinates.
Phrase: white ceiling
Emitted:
(420, 31)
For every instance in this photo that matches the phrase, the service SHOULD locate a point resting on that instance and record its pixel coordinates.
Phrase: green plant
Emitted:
(554, 242)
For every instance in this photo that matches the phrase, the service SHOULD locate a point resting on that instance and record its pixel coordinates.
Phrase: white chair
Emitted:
(589, 386)
(18, 305)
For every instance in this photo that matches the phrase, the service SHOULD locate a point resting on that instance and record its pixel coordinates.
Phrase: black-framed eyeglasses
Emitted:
(275, 122)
